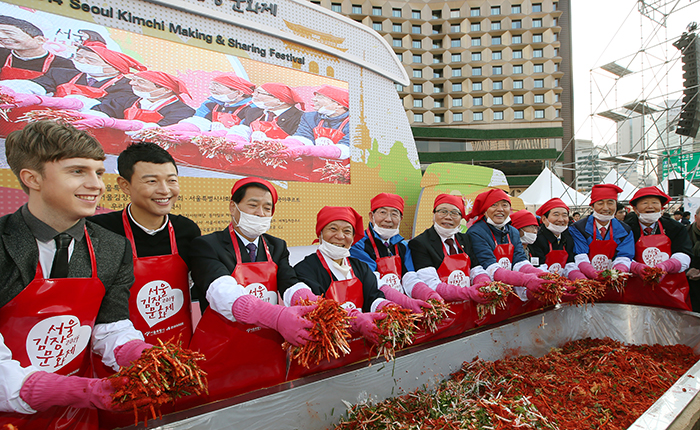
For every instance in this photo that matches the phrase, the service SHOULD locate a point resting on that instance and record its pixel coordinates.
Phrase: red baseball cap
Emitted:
(604, 191)
(650, 192)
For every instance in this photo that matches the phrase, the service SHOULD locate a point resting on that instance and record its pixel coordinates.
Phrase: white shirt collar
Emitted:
(146, 229)
(246, 241)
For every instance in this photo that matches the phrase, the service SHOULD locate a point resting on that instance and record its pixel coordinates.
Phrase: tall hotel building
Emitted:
(490, 79)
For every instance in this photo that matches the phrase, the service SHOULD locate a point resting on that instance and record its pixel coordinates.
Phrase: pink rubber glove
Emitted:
(511, 278)
(529, 268)
(452, 293)
(569, 294)
(423, 292)
(588, 270)
(403, 300)
(291, 142)
(287, 321)
(185, 131)
(130, 351)
(475, 295)
(669, 266)
(535, 284)
(365, 324)
(104, 122)
(481, 280)
(328, 151)
(576, 274)
(303, 293)
(43, 390)
(621, 268)
(24, 100)
(638, 269)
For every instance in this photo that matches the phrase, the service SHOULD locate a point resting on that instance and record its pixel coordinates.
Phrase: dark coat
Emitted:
(540, 248)
(677, 232)
(427, 249)
(287, 121)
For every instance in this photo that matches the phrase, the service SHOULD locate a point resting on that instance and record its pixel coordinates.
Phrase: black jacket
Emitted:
(540, 248)
(287, 121)
(427, 249)
(677, 232)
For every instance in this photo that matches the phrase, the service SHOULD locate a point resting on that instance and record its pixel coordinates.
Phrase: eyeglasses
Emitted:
(384, 213)
(445, 212)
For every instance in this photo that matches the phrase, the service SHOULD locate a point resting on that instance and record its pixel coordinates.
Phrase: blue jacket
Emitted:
(482, 235)
(363, 251)
(206, 108)
(311, 119)
(582, 232)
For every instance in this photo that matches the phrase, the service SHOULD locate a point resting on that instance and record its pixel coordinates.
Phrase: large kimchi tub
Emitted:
(317, 402)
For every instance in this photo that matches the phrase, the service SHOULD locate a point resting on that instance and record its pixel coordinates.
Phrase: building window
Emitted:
(475, 27)
(539, 113)
(557, 113)
(538, 68)
(377, 26)
(497, 85)
(417, 117)
(498, 100)
(556, 37)
(478, 101)
(556, 98)
(437, 88)
(517, 69)
(456, 102)
(476, 56)
(497, 70)
(517, 54)
(516, 23)
(518, 100)
(476, 41)
(399, 56)
(516, 9)
(418, 103)
(476, 71)
(537, 23)
(438, 103)
(476, 86)
(495, 10)
(556, 67)
(475, 11)
(518, 114)
(454, 13)
(556, 52)
(437, 73)
(417, 88)
(417, 73)
(456, 73)
(537, 53)
(399, 87)
(376, 11)
(537, 38)
(439, 118)
(554, 22)
(496, 40)
(457, 116)
(478, 116)
(516, 39)
(357, 9)
(437, 14)
(437, 60)
(496, 25)
(396, 28)
(554, 6)
(455, 43)
(498, 116)
(539, 98)
(417, 59)
(437, 29)
(456, 87)
(415, 29)
(556, 82)
(539, 83)
(416, 44)
(335, 7)
(437, 44)
(396, 42)
(537, 7)
(456, 58)
(517, 85)
(455, 28)
(415, 14)
(396, 13)
(496, 55)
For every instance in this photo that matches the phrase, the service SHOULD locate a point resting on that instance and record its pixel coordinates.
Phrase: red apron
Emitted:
(241, 357)
(270, 128)
(389, 268)
(556, 260)
(333, 134)
(147, 115)
(349, 294)
(9, 72)
(227, 119)
(602, 253)
(503, 253)
(49, 325)
(673, 291)
(71, 87)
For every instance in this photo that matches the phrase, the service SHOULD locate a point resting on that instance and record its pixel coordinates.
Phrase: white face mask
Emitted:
(89, 69)
(224, 98)
(325, 111)
(252, 226)
(334, 252)
(649, 218)
(602, 218)
(528, 238)
(385, 233)
(445, 233)
(490, 221)
(142, 94)
(557, 229)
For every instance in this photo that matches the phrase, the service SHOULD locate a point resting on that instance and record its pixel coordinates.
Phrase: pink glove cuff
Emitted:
(451, 293)
(423, 292)
(303, 293)
(588, 270)
(510, 277)
(251, 310)
(621, 268)
(576, 274)
(482, 279)
(670, 266)
(130, 351)
(42, 390)
(403, 300)
(529, 268)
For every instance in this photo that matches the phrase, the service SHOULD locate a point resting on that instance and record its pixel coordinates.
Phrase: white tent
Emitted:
(690, 189)
(628, 190)
(548, 185)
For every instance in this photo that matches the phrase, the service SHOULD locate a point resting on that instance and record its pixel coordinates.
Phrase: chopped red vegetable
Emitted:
(434, 315)
(551, 293)
(60, 116)
(653, 275)
(396, 330)
(587, 291)
(614, 279)
(496, 293)
(334, 172)
(157, 135)
(269, 152)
